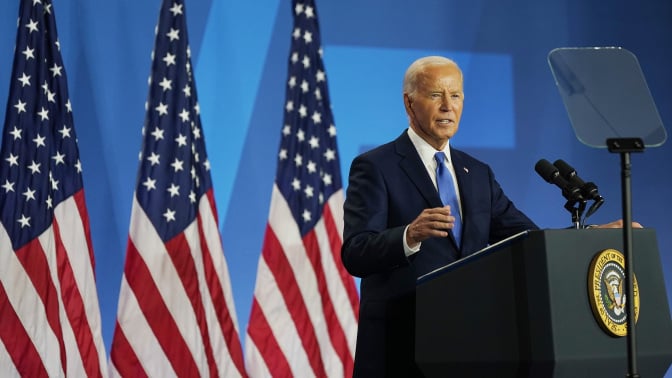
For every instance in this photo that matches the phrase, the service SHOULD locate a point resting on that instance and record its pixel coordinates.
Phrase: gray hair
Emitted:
(418, 67)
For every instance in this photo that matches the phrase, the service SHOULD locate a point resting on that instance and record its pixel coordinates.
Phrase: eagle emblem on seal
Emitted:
(607, 294)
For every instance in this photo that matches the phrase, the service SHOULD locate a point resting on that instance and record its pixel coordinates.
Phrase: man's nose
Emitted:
(445, 104)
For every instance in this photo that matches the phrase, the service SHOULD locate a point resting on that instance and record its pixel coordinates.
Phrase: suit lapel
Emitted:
(412, 165)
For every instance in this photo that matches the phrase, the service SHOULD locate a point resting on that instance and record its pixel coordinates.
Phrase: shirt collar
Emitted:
(425, 150)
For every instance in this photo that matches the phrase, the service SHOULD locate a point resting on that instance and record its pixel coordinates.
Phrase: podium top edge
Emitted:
(483, 252)
(494, 248)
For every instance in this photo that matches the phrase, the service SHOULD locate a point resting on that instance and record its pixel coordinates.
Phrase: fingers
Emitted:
(619, 224)
(435, 222)
(445, 210)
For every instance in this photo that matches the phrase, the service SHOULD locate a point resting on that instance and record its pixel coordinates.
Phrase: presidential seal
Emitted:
(606, 292)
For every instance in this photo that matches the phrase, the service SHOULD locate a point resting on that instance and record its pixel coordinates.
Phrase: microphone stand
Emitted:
(625, 146)
(576, 211)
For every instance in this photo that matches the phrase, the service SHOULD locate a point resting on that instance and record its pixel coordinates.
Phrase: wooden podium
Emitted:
(522, 308)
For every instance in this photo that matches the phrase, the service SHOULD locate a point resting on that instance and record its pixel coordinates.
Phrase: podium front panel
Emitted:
(523, 310)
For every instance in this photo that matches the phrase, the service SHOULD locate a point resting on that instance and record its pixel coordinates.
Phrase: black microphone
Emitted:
(588, 189)
(550, 173)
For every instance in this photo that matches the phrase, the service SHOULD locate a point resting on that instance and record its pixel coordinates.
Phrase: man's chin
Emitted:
(447, 134)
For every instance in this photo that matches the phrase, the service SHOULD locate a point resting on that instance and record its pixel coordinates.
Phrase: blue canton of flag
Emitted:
(174, 170)
(40, 160)
(308, 168)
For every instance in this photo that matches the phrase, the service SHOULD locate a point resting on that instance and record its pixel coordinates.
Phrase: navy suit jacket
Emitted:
(388, 188)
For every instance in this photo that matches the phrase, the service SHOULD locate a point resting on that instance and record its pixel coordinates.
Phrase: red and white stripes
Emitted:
(50, 312)
(176, 314)
(304, 315)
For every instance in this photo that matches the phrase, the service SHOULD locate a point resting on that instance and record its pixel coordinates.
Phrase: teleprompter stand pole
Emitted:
(625, 146)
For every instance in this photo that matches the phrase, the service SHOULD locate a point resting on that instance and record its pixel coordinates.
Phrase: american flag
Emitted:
(304, 313)
(176, 314)
(49, 312)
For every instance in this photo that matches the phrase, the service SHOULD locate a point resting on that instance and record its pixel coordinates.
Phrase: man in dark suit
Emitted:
(396, 226)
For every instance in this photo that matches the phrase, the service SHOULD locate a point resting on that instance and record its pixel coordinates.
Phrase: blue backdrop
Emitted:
(513, 113)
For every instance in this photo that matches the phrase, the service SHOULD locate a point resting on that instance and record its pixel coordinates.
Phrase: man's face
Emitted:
(436, 106)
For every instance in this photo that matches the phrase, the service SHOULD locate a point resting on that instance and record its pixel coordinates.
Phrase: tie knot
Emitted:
(440, 157)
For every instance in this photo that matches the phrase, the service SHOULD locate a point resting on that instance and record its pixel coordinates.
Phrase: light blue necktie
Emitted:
(444, 183)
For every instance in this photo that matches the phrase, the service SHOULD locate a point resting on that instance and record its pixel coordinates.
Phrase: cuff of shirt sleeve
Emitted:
(407, 249)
